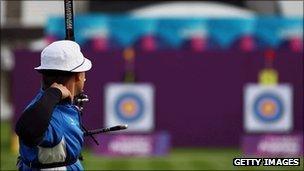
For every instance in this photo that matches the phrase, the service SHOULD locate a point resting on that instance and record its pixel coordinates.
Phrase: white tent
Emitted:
(192, 9)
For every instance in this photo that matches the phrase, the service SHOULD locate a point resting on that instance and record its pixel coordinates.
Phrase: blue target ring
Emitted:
(268, 107)
(129, 107)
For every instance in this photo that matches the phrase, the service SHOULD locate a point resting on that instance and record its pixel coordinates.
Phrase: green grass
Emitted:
(178, 159)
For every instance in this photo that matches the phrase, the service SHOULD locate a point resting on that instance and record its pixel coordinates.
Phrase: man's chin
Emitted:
(78, 92)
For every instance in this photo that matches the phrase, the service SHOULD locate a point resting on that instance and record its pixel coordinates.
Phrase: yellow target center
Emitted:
(268, 108)
(129, 107)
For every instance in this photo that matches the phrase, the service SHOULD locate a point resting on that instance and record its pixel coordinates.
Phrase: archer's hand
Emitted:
(64, 91)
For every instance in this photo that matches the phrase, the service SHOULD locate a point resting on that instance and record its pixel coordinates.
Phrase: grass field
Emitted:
(178, 159)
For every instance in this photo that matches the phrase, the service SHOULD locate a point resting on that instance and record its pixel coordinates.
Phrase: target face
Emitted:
(130, 104)
(268, 107)
(129, 107)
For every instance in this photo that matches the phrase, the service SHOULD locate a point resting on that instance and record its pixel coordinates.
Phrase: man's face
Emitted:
(80, 82)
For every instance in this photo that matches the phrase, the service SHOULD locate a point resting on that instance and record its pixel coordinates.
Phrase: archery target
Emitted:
(129, 107)
(268, 108)
(130, 104)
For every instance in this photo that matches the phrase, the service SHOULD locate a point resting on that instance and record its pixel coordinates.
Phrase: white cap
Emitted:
(64, 55)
